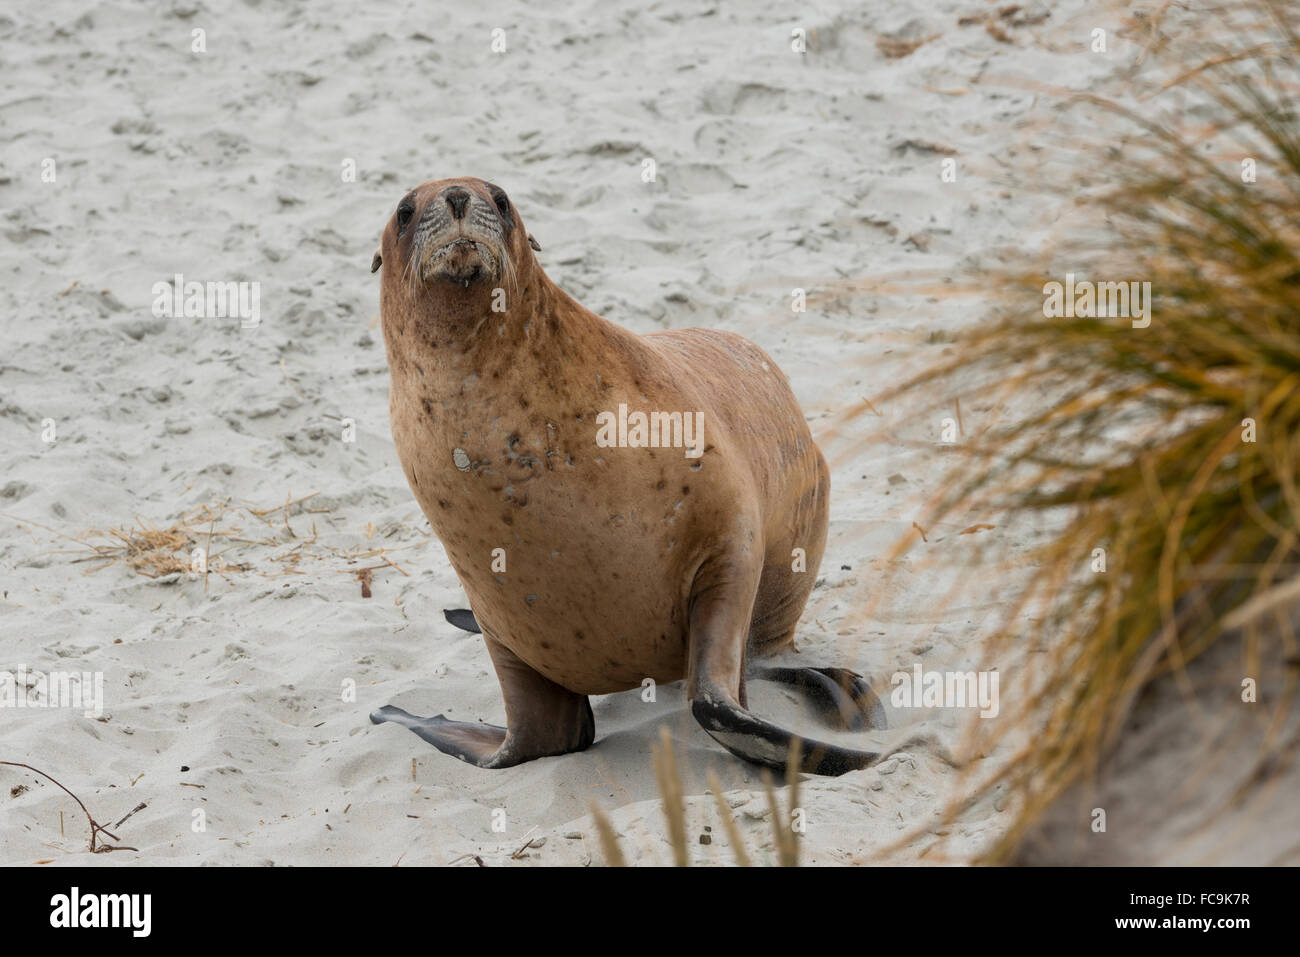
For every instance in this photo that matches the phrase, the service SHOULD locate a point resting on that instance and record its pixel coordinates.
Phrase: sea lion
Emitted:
(594, 559)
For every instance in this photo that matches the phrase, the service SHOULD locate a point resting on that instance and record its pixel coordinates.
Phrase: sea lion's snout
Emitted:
(457, 197)
(460, 239)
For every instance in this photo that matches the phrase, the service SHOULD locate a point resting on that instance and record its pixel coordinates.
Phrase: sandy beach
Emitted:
(235, 701)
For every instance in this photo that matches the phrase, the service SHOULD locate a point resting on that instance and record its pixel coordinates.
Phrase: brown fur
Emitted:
(622, 563)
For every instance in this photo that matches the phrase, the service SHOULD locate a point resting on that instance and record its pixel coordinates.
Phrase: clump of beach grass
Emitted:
(1164, 451)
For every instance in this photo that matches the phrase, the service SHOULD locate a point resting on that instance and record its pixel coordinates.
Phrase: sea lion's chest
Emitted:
(576, 556)
(477, 457)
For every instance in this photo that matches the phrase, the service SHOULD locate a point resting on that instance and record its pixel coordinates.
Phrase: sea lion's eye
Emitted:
(404, 214)
(503, 204)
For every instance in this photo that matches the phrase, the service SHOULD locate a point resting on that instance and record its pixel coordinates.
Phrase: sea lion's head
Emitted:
(454, 238)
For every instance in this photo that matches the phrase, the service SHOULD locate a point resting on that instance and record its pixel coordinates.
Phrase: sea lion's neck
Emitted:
(453, 337)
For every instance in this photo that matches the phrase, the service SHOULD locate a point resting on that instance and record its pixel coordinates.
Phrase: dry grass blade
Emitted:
(670, 791)
(608, 839)
(672, 795)
(895, 48)
(792, 774)
(787, 842)
(728, 818)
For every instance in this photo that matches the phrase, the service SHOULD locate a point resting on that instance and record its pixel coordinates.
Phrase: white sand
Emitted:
(775, 170)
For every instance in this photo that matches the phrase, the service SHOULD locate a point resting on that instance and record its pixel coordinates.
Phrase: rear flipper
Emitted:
(842, 698)
(477, 744)
(750, 737)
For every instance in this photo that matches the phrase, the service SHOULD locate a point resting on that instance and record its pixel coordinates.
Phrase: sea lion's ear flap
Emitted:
(534, 243)
(377, 261)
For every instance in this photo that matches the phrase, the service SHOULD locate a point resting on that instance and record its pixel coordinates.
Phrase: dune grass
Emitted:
(1167, 454)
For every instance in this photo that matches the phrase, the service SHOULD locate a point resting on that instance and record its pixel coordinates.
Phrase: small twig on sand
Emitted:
(139, 807)
(95, 827)
(259, 512)
(207, 554)
(289, 379)
(527, 844)
(366, 575)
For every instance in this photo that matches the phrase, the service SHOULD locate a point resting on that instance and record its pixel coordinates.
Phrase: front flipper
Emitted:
(843, 698)
(542, 719)
(478, 744)
(721, 605)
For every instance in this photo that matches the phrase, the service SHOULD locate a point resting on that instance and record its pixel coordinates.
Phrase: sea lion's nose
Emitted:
(457, 198)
